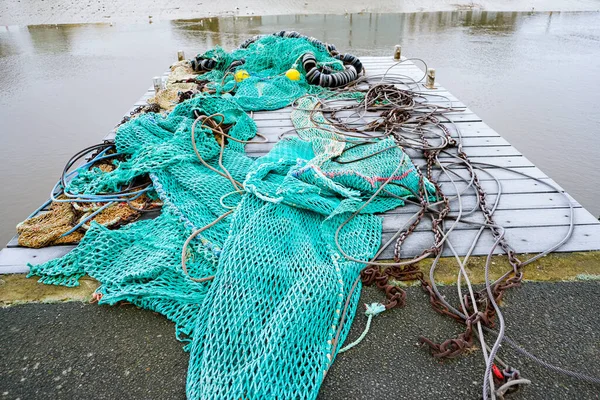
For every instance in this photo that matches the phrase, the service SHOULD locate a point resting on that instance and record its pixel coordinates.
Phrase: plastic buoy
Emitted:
(497, 373)
(293, 74)
(241, 74)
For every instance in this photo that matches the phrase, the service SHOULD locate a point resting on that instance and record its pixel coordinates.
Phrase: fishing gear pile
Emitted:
(259, 262)
(70, 213)
(258, 298)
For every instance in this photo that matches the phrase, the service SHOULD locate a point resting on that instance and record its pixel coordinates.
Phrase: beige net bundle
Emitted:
(49, 228)
(168, 97)
(46, 229)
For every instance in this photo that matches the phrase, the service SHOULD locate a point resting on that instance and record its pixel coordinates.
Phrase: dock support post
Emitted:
(180, 55)
(430, 83)
(397, 52)
(157, 82)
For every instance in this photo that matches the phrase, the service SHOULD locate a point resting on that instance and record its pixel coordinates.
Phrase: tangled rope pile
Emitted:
(70, 211)
(259, 262)
(389, 109)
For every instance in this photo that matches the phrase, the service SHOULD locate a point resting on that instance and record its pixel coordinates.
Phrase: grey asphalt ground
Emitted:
(81, 351)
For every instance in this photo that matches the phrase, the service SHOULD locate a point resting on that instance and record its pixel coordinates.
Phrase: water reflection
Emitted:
(363, 30)
(60, 38)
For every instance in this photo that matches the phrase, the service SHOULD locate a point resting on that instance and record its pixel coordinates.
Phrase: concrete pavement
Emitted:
(76, 350)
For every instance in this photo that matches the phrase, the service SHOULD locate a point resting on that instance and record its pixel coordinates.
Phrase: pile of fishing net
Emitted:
(258, 293)
(182, 79)
(67, 217)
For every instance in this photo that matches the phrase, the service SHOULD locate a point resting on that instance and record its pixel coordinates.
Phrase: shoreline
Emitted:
(114, 11)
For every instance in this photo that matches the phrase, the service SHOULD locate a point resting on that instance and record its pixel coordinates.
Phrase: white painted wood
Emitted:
(524, 240)
(514, 201)
(111, 135)
(273, 134)
(518, 161)
(549, 217)
(507, 186)
(282, 119)
(467, 129)
(500, 161)
(284, 113)
(258, 148)
(430, 96)
(529, 240)
(15, 260)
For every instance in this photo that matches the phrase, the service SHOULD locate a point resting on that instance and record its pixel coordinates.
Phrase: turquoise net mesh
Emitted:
(263, 327)
(266, 61)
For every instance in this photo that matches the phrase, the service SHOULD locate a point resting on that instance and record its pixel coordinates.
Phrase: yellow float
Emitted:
(293, 74)
(241, 74)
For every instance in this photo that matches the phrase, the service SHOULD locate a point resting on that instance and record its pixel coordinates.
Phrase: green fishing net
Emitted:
(264, 326)
(266, 60)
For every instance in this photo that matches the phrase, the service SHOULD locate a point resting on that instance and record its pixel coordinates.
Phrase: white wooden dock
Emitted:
(534, 215)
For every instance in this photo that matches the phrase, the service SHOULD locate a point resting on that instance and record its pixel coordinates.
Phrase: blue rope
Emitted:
(86, 219)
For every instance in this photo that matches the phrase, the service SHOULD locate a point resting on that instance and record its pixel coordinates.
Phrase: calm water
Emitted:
(535, 78)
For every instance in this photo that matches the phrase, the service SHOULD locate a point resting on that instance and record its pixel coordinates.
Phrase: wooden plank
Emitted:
(499, 162)
(549, 217)
(400, 68)
(497, 173)
(274, 128)
(493, 141)
(283, 118)
(496, 161)
(375, 59)
(473, 129)
(274, 134)
(478, 151)
(467, 129)
(504, 162)
(371, 65)
(439, 96)
(510, 186)
(476, 129)
(14, 241)
(524, 240)
(378, 60)
(522, 165)
(284, 113)
(514, 201)
(257, 149)
(15, 260)
(430, 96)
(410, 75)
(396, 71)
(111, 135)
